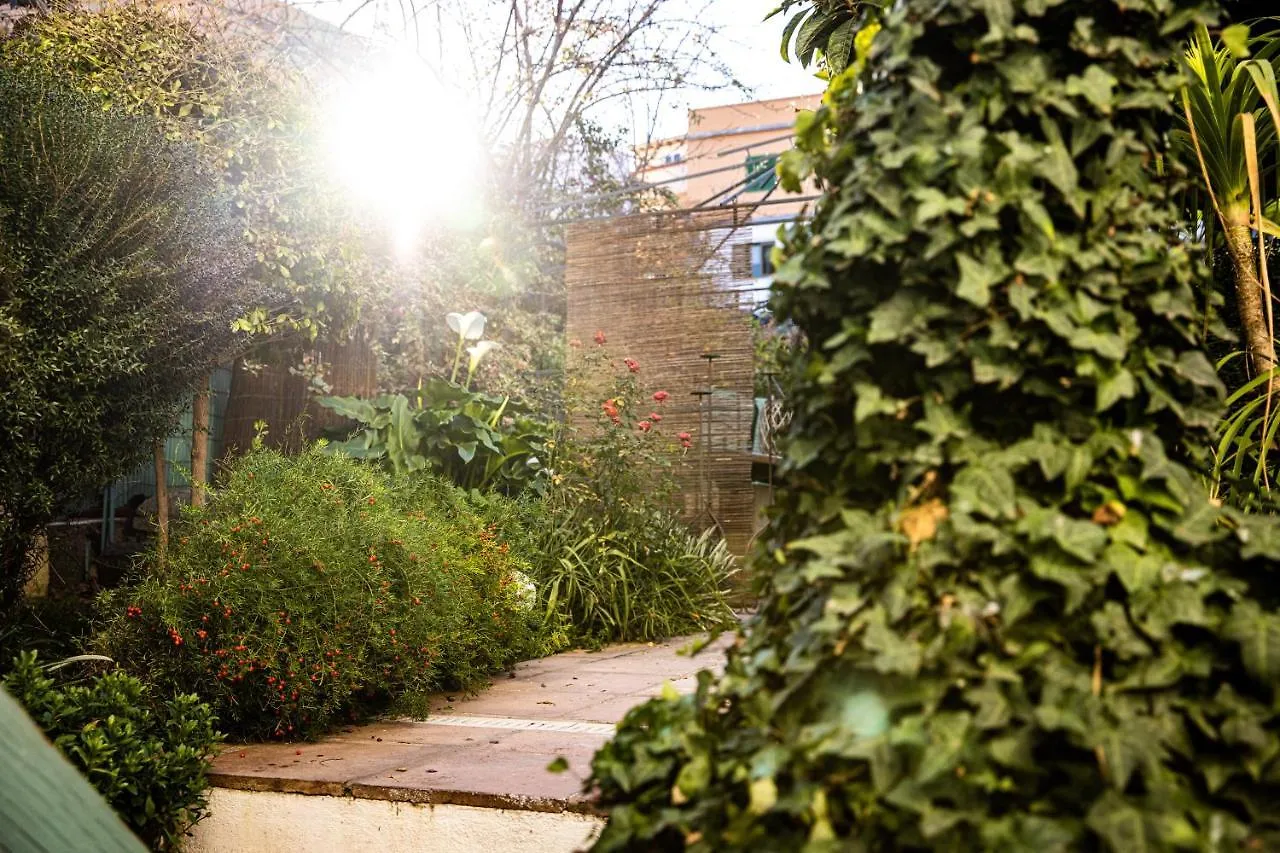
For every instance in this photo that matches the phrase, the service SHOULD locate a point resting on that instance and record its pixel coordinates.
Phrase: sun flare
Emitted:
(401, 143)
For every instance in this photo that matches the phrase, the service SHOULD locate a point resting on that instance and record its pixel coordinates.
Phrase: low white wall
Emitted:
(267, 822)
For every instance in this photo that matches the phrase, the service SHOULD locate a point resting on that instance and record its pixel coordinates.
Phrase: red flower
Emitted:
(632, 365)
(684, 436)
(644, 426)
(599, 338)
(660, 396)
(655, 417)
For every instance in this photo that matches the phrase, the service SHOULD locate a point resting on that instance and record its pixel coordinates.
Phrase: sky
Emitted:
(750, 46)
(747, 44)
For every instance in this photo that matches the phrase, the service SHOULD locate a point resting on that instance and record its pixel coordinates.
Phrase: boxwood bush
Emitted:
(1003, 613)
(148, 757)
(312, 587)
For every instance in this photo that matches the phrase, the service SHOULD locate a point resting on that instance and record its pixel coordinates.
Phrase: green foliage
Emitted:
(148, 758)
(476, 440)
(608, 552)
(1002, 613)
(772, 351)
(495, 271)
(312, 587)
(647, 578)
(52, 627)
(244, 109)
(835, 33)
(120, 274)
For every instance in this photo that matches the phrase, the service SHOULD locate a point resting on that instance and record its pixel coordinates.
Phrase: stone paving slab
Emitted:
(491, 749)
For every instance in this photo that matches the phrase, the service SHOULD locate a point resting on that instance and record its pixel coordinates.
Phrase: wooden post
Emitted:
(162, 502)
(200, 444)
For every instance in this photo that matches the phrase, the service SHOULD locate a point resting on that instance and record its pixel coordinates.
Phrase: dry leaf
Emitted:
(1111, 512)
(920, 523)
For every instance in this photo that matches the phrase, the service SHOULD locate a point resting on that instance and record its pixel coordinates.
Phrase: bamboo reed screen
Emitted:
(661, 288)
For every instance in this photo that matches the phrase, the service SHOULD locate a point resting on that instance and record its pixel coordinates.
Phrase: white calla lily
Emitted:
(478, 352)
(470, 326)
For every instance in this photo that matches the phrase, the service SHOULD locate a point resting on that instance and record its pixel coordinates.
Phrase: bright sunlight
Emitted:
(399, 140)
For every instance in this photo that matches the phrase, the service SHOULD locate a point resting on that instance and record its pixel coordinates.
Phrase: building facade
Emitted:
(728, 156)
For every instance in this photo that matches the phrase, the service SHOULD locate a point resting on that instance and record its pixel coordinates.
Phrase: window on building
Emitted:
(761, 260)
(762, 174)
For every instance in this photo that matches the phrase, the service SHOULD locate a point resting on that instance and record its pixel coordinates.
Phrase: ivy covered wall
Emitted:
(1000, 611)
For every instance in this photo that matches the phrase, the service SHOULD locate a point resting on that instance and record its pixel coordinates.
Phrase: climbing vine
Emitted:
(1000, 612)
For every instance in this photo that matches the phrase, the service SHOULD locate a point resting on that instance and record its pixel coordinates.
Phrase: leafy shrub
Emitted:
(608, 551)
(477, 440)
(313, 586)
(1004, 614)
(120, 274)
(206, 77)
(148, 758)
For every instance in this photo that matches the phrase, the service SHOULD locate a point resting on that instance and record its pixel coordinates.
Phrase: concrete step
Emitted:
(471, 777)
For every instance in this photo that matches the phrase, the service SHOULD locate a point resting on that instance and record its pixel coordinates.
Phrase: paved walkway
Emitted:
(489, 750)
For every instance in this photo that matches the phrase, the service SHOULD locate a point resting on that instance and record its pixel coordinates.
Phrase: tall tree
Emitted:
(552, 79)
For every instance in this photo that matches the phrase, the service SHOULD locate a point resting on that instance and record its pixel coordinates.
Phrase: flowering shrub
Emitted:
(609, 553)
(149, 759)
(314, 586)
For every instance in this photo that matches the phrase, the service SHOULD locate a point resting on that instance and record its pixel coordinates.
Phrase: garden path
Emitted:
(489, 750)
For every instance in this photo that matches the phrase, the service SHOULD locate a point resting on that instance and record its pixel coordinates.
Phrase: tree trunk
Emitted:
(162, 502)
(1253, 315)
(200, 444)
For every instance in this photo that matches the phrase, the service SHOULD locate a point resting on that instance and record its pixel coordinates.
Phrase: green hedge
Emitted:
(149, 758)
(313, 587)
(1003, 613)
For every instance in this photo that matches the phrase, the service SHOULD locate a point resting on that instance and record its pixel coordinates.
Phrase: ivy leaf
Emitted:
(893, 318)
(872, 402)
(694, 776)
(894, 652)
(1196, 367)
(1117, 634)
(1258, 634)
(986, 491)
(1259, 536)
(1235, 38)
(1120, 824)
(763, 794)
(1082, 539)
(1096, 85)
(947, 735)
(1119, 385)
(976, 279)
(933, 204)
(1071, 576)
